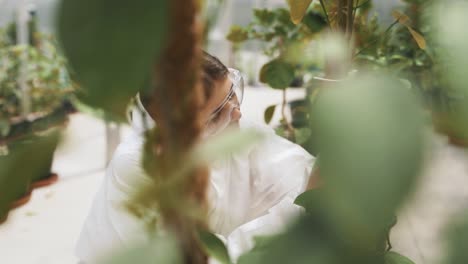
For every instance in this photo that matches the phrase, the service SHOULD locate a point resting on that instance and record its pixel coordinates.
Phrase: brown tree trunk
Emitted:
(176, 100)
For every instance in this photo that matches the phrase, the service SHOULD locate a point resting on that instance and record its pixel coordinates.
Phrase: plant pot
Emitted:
(15, 176)
(26, 159)
(44, 176)
(23, 163)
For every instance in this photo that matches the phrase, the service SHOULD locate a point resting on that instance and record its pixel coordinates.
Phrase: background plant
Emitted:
(46, 76)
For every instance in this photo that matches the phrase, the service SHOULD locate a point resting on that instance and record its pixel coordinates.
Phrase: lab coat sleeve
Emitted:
(109, 225)
(280, 171)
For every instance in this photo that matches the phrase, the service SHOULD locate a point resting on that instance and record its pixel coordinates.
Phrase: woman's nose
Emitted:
(236, 114)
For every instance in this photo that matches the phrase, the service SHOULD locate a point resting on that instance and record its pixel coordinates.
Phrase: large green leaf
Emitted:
(111, 45)
(370, 136)
(449, 21)
(228, 142)
(395, 258)
(162, 250)
(457, 238)
(309, 199)
(214, 247)
(277, 73)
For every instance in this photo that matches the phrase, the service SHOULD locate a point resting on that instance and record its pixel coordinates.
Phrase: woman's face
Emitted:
(217, 116)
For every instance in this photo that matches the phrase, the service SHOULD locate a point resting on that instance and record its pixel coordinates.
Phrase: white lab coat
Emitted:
(250, 193)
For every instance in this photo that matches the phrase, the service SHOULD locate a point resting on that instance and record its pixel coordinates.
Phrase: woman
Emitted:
(250, 193)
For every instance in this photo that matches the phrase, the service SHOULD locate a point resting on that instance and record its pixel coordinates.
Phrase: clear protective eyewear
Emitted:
(222, 115)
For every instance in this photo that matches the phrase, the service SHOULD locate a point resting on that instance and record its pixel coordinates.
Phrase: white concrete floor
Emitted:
(45, 230)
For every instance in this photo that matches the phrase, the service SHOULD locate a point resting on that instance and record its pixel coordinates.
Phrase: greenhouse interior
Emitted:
(233, 131)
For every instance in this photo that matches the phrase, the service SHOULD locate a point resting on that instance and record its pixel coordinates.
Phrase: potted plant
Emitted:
(49, 88)
(276, 32)
(347, 18)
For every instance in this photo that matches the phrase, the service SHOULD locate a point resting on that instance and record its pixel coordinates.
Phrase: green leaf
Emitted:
(370, 134)
(315, 22)
(214, 247)
(309, 199)
(457, 238)
(237, 34)
(161, 250)
(268, 115)
(264, 16)
(257, 253)
(226, 143)
(302, 135)
(395, 258)
(277, 73)
(111, 45)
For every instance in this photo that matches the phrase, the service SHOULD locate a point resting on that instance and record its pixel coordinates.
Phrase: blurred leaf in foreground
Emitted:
(395, 258)
(111, 46)
(458, 239)
(215, 247)
(163, 250)
(370, 135)
(449, 21)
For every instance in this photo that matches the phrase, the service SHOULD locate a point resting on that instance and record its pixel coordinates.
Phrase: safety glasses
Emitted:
(236, 92)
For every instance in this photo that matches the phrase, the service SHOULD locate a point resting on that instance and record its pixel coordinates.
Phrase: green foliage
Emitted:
(225, 143)
(214, 247)
(457, 238)
(162, 250)
(211, 11)
(113, 48)
(395, 258)
(314, 21)
(277, 73)
(268, 114)
(46, 76)
(276, 31)
(237, 34)
(351, 140)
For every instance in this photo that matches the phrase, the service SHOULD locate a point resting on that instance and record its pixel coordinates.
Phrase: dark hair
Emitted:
(212, 70)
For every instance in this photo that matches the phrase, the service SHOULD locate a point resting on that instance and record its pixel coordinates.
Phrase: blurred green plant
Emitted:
(370, 135)
(113, 49)
(277, 32)
(452, 40)
(49, 89)
(47, 77)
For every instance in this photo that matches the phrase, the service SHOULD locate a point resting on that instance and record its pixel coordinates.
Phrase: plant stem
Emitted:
(361, 5)
(175, 96)
(325, 12)
(341, 23)
(377, 39)
(350, 20)
(355, 12)
(283, 113)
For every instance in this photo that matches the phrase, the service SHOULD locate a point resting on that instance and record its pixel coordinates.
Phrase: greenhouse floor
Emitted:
(45, 230)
